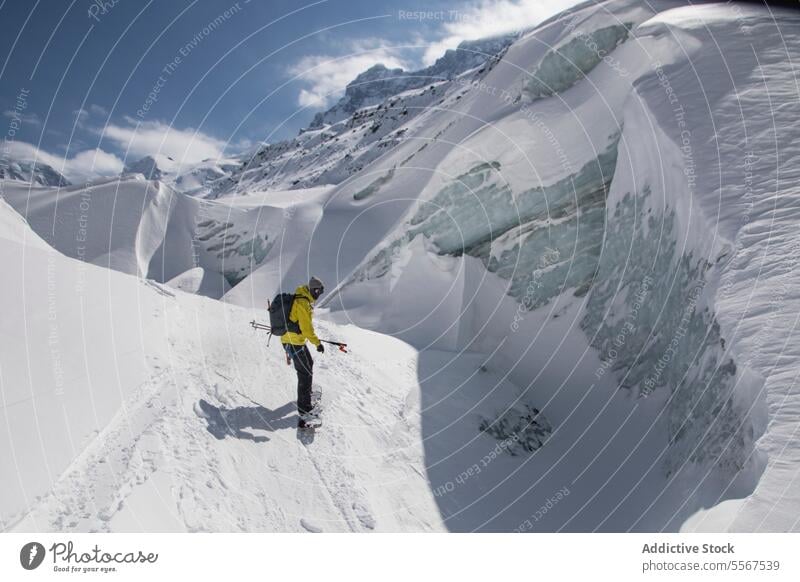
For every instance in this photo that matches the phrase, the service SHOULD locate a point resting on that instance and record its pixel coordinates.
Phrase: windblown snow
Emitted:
(565, 271)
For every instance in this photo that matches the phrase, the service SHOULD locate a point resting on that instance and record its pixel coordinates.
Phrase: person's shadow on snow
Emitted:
(224, 422)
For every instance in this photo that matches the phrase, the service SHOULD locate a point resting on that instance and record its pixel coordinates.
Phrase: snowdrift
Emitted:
(145, 228)
(73, 351)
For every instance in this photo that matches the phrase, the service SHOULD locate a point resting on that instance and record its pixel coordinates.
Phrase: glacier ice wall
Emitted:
(647, 317)
(630, 234)
(646, 288)
(543, 240)
(563, 66)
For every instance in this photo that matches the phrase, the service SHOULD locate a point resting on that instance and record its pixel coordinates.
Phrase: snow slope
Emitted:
(159, 465)
(114, 438)
(73, 351)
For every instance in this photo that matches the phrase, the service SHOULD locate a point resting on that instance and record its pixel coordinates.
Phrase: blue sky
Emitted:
(88, 84)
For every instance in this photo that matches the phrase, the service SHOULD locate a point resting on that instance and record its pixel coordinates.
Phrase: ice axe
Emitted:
(342, 346)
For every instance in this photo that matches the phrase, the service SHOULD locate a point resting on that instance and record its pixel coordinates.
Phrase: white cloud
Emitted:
(25, 118)
(170, 146)
(491, 18)
(157, 139)
(313, 99)
(81, 117)
(91, 163)
(328, 75)
(82, 166)
(98, 110)
(93, 109)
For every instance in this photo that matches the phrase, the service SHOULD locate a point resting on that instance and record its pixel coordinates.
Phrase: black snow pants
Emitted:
(304, 366)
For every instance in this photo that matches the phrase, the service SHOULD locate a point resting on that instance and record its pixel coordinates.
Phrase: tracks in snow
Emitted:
(156, 466)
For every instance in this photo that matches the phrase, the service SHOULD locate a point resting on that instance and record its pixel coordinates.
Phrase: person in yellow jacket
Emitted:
(294, 342)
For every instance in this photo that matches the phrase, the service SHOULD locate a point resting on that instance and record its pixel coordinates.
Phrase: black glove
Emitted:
(321, 349)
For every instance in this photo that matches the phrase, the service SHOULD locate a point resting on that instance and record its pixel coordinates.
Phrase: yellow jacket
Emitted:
(301, 313)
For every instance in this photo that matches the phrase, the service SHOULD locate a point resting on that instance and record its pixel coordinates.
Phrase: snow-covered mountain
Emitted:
(566, 277)
(147, 167)
(33, 173)
(380, 109)
(378, 83)
(196, 179)
(201, 179)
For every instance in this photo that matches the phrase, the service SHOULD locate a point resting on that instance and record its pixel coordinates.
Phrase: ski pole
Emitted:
(258, 325)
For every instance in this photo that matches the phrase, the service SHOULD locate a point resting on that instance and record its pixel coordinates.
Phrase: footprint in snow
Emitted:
(308, 526)
(363, 515)
(199, 411)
